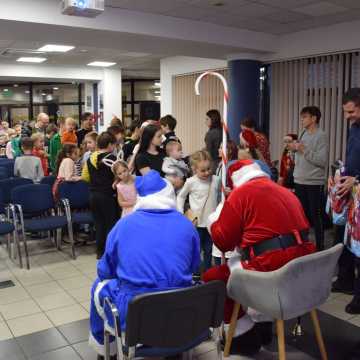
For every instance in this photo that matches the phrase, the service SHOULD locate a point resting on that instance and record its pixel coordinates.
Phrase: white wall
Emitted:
(177, 65)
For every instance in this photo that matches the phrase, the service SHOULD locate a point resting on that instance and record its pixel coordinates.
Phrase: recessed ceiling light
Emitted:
(16, 85)
(56, 48)
(5, 90)
(101, 63)
(31, 59)
(43, 94)
(158, 84)
(27, 91)
(55, 88)
(84, 50)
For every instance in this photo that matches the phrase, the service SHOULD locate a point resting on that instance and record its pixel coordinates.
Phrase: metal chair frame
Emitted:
(132, 349)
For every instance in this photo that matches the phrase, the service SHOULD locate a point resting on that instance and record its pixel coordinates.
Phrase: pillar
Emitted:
(244, 92)
(109, 97)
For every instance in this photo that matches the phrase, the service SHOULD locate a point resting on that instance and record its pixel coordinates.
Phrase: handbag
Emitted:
(192, 216)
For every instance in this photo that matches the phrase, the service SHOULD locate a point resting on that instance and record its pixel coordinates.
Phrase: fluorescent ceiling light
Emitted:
(55, 88)
(6, 90)
(43, 94)
(56, 48)
(27, 91)
(158, 84)
(101, 63)
(31, 59)
(16, 85)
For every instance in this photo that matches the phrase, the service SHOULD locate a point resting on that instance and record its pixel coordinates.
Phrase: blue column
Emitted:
(244, 92)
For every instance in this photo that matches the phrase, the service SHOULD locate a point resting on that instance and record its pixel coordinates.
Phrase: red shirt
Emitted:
(256, 211)
(43, 158)
(263, 146)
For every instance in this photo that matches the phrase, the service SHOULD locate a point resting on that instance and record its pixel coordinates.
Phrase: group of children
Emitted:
(106, 161)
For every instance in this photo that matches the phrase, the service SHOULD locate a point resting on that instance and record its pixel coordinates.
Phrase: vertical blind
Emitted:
(319, 81)
(190, 110)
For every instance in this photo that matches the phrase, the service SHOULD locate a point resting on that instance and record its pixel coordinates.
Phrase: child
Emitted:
(119, 134)
(126, 192)
(202, 191)
(90, 145)
(131, 141)
(174, 167)
(168, 125)
(28, 166)
(39, 151)
(51, 131)
(97, 172)
(69, 136)
(55, 145)
(287, 164)
(13, 148)
(65, 168)
(3, 141)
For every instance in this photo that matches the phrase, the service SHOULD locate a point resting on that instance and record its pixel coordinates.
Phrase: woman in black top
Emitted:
(103, 202)
(150, 157)
(213, 137)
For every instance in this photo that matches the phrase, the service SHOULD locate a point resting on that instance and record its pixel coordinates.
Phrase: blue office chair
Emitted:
(48, 180)
(9, 165)
(4, 173)
(7, 185)
(38, 212)
(7, 226)
(76, 196)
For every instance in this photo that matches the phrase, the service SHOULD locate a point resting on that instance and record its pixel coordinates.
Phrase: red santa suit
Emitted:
(256, 210)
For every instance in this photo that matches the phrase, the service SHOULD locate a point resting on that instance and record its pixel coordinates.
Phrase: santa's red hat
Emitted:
(243, 171)
(248, 138)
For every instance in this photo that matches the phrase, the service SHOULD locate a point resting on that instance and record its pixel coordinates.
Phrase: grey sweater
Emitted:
(29, 167)
(310, 166)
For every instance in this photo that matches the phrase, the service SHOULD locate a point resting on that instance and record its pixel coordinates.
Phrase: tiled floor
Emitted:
(45, 315)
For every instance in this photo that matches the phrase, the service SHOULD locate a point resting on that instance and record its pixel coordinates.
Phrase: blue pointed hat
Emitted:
(149, 183)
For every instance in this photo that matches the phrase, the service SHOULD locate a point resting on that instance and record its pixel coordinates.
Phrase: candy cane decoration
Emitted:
(224, 123)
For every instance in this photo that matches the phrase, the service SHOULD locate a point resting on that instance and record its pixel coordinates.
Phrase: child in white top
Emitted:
(202, 191)
(125, 186)
(174, 167)
(67, 157)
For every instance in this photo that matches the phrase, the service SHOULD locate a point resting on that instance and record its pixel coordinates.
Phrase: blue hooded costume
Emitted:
(153, 249)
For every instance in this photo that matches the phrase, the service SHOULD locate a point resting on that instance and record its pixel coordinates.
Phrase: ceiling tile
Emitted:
(226, 3)
(321, 8)
(254, 10)
(153, 6)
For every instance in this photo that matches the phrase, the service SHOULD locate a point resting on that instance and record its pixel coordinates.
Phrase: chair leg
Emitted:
(217, 338)
(231, 331)
(281, 339)
(318, 334)
(106, 345)
(17, 243)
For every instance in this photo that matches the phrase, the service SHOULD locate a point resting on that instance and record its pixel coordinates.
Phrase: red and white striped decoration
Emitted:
(224, 122)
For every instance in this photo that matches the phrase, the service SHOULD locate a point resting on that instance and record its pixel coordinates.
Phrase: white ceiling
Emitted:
(133, 63)
(269, 16)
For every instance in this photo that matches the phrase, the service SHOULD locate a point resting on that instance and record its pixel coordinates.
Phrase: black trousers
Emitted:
(349, 271)
(106, 213)
(312, 201)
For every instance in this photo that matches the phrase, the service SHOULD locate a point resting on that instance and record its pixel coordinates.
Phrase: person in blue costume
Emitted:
(155, 248)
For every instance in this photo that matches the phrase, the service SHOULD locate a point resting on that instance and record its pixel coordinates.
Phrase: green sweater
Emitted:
(54, 149)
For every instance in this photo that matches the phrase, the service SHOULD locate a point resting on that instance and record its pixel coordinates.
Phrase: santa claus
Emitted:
(266, 225)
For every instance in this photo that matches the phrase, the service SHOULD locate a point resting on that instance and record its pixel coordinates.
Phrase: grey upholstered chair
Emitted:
(297, 288)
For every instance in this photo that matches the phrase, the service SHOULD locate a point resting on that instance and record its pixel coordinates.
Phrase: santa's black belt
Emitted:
(276, 243)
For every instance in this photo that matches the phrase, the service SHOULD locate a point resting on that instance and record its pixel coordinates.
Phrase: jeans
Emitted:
(205, 247)
(312, 201)
(106, 213)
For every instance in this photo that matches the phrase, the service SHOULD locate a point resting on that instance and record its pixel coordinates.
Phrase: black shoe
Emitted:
(339, 287)
(100, 357)
(265, 330)
(354, 306)
(247, 344)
